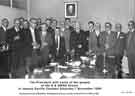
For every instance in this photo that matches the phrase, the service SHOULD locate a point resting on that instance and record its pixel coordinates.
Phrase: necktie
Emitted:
(33, 37)
(58, 42)
(129, 39)
(118, 34)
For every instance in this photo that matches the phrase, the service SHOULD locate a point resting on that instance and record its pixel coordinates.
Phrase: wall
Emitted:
(11, 13)
(97, 10)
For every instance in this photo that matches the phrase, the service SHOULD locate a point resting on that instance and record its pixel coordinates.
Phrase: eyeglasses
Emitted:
(130, 24)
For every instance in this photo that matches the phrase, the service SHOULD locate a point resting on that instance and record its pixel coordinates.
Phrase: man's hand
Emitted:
(72, 51)
(16, 37)
(106, 46)
(79, 46)
(45, 44)
(87, 53)
(35, 45)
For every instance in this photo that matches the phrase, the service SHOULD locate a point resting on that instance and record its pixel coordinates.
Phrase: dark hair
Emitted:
(32, 19)
(55, 21)
(108, 23)
(26, 21)
(67, 19)
(57, 27)
(4, 19)
(91, 22)
(131, 21)
(43, 24)
(119, 25)
(16, 19)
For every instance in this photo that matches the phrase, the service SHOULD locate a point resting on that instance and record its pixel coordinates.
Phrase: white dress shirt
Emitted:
(97, 33)
(5, 29)
(33, 35)
(57, 38)
(118, 34)
(16, 29)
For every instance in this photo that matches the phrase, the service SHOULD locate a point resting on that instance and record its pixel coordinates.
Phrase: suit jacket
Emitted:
(27, 39)
(77, 39)
(120, 44)
(3, 55)
(67, 33)
(15, 44)
(109, 39)
(2, 35)
(52, 32)
(62, 49)
(47, 39)
(94, 42)
(130, 43)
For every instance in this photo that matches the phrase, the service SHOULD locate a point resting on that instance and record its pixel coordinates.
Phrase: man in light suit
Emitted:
(130, 48)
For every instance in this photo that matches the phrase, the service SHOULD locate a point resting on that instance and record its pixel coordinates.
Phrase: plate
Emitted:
(55, 75)
(76, 70)
(84, 58)
(75, 63)
(69, 75)
(54, 63)
(46, 70)
(37, 71)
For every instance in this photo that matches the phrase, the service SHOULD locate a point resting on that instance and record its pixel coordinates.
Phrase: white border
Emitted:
(76, 10)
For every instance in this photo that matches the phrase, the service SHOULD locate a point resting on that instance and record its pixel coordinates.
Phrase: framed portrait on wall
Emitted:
(71, 9)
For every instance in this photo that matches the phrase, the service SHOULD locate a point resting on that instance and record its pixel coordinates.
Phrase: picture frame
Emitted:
(71, 10)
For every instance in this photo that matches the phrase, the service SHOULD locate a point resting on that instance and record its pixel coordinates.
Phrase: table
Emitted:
(63, 72)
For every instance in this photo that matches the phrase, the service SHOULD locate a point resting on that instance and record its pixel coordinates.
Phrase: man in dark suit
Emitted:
(59, 44)
(94, 43)
(119, 47)
(4, 65)
(21, 22)
(67, 32)
(93, 37)
(77, 41)
(48, 21)
(15, 40)
(32, 42)
(107, 41)
(46, 44)
(130, 48)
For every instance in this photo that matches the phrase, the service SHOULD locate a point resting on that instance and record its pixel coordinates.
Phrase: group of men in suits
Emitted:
(31, 44)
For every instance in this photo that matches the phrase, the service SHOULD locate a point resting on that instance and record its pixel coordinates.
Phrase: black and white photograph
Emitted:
(35, 43)
(68, 40)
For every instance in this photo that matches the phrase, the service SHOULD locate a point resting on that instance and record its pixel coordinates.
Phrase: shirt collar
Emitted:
(132, 30)
(4, 28)
(31, 29)
(17, 29)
